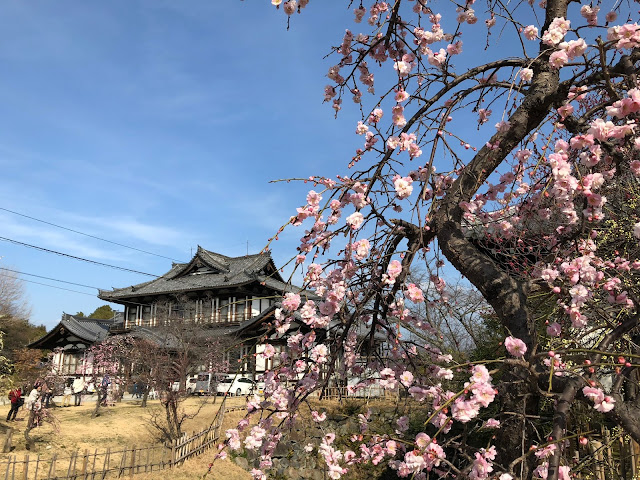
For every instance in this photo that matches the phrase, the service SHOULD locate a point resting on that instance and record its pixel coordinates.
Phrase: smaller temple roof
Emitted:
(74, 332)
(206, 270)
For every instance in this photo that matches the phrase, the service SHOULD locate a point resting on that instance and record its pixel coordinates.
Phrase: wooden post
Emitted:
(632, 457)
(6, 474)
(610, 461)
(25, 472)
(85, 460)
(35, 475)
(93, 464)
(596, 450)
(634, 450)
(123, 462)
(75, 465)
(186, 446)
(133, 462)
(7, 442)
(173, 453)
(52, 467)
(105, 463)
(71, 462)
(623, 458)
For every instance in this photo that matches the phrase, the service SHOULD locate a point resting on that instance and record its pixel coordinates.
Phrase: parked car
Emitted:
(259, 388)
(235, 385)
(190, 385)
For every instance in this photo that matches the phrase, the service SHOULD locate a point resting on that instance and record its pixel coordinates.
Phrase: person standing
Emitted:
(105, 389)
(34, 406)
(47, 394)
(78, 389)
(66, 395)
(16, 402)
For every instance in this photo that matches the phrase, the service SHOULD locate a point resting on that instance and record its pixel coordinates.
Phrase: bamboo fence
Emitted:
(110, 463)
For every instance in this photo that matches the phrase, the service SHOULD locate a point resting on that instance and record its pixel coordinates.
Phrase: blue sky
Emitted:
(157, 124)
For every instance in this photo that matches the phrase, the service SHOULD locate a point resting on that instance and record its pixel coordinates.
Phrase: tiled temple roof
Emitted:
(207, 270)
(84, 330)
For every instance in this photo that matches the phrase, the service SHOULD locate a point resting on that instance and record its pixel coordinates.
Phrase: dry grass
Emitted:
(196, 469)
(125, 425)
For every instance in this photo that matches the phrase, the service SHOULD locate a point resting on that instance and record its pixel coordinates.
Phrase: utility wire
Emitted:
(49, 278)
(52, 286)
(88, 235)
(42, 249)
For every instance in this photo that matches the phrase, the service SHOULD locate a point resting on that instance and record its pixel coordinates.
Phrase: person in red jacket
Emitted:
(16, 402)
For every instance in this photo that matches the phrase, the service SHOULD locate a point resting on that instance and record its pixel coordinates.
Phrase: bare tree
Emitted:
(13, 302)
(163, 358)
(460, 320)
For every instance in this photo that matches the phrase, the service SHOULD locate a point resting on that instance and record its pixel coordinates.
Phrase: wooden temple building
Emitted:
(71, 338)
(211, 289)
(229, 300)
(224, 297)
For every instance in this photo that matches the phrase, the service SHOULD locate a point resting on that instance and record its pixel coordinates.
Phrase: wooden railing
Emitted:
(230, 319)
(369, 392)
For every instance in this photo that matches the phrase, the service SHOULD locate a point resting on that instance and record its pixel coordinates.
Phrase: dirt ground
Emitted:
(125, 425)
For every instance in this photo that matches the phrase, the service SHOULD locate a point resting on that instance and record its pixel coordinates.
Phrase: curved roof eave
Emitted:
(71, 326)
(177, 290)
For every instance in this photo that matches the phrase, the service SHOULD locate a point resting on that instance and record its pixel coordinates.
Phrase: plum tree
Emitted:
(509, 154)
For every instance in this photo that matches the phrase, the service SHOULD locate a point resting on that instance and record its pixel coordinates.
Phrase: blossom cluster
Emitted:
(544, 206)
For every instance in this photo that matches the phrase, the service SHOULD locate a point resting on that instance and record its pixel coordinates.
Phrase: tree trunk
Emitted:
(96, 411)
(30, 423)
(171, 412)
(517, 404)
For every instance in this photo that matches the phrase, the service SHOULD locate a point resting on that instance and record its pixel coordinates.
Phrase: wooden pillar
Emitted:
(233, 309)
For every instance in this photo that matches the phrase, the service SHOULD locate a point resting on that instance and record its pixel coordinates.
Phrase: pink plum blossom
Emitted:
(530, 32)
(291, 301)
(526, 74)
(403, 187)
(355, 220)
(515, 346)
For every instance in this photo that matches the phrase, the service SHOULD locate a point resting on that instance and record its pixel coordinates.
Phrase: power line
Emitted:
(88, 235)
(62, 281)
(49, 278)
(52, 286)
(42, 249)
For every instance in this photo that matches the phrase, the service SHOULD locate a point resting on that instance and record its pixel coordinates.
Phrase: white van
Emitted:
(204, 385)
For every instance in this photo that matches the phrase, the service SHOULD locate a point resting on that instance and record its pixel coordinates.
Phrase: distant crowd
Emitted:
(41, 394)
